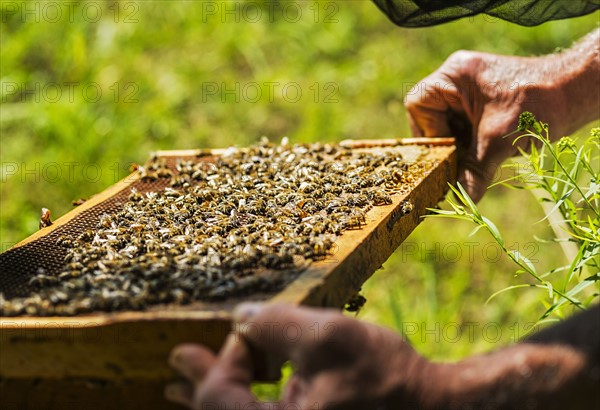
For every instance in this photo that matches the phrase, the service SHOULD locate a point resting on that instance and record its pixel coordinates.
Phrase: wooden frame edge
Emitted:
(391, 142)
(90, 203)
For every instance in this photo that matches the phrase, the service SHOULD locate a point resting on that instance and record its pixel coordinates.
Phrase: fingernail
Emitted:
(245, 311)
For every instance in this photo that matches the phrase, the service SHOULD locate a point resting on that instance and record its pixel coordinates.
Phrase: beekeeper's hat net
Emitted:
(421, 13)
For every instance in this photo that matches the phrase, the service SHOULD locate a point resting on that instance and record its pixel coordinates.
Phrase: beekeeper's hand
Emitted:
(477, 97)
(342, 363)
(339, 363)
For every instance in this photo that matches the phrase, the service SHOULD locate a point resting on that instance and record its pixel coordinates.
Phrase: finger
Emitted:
(330, 390)
(181, 393)
(480, 163)
(414, 128)
(427, 122)
(474, 183)
(293, 391)
(477, 171)
(228, 383)
(192, 361)
(235, 362)
(287, 332)
(429, 103)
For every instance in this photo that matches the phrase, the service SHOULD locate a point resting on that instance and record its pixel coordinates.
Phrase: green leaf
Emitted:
(519, 257)
(550, 290)
(507, 289)
(466, 199)
(475, 230)
(493, 229)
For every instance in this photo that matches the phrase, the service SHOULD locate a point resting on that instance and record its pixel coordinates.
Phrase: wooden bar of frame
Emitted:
(125, 350)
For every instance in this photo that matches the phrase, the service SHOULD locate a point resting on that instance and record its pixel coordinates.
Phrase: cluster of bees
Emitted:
(244, 223)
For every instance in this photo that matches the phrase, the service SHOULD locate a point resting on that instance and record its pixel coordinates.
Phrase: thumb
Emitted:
(287, 332)
(489, 147)
(473, 182)
(227, 385)
(478, 165)
(234, 365)
(474, 173)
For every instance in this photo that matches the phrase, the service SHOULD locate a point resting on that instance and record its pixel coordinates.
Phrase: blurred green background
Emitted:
(89, 87)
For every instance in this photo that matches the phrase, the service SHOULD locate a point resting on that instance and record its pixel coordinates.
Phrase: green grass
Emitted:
(164, 63)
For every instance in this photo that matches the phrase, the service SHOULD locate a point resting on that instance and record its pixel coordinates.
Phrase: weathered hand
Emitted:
(222, 381)
(477, 97)
(339, 363)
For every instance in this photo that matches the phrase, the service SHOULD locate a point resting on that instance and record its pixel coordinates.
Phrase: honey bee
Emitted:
(78, 202)
(45, 218)
(205, 236)
(356, 303)
(379, 198)
(407, 207)
(164, 173)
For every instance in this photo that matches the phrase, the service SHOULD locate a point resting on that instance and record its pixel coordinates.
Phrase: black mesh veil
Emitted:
(421, 13)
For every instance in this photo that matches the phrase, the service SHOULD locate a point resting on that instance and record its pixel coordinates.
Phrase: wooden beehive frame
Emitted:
(133, 345)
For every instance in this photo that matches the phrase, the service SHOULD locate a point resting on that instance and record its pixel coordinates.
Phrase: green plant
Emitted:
(566, 176)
